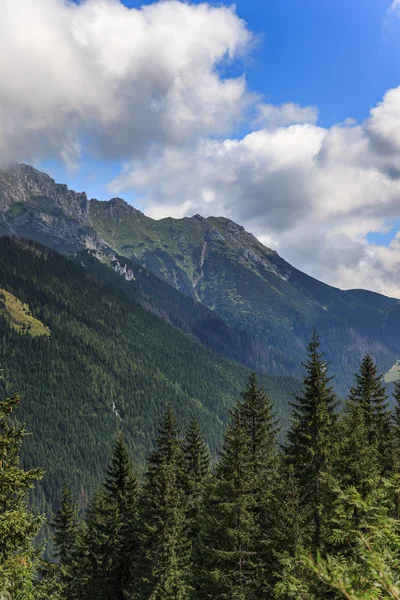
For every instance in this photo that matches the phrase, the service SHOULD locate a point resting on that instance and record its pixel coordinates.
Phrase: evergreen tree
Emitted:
(369, 567)
(284, 530)
(65, 526)
(231, 565)
(260, 426)
(312, 443)
(396, 443)
(88, 556)
(165, 552)
(196, 471)
(358, 465)
(196, 474)
(55, 580)
(18, 526)
(370, 393)
(111, 536)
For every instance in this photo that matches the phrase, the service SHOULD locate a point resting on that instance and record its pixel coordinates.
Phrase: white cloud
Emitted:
(144, 86)
(273, 116)
(395, 6)
(317, 192)
(122, 80)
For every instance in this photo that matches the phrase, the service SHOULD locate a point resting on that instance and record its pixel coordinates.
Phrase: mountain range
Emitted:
(213, 279)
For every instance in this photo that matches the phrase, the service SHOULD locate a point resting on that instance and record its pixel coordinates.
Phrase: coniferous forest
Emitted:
(317, 517)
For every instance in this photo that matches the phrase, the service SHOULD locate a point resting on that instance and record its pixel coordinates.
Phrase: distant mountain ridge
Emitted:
(270, 305)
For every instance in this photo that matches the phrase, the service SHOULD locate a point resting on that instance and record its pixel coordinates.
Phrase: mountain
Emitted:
(263, 309)
(88, 360)
(32, 205)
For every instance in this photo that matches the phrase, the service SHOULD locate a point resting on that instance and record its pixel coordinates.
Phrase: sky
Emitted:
(281, 115)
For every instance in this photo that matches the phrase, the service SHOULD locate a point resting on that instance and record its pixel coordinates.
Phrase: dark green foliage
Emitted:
(261, 428)
(108, 364)
(111, 537)
(238, 501)
(358, 464)
(314, 521)
(65, 526)
(56, 578)
(312, 442)
(18, 526)
(396, 443)
(230, 565)
(164, 563)
(196, 472)
(370, 394)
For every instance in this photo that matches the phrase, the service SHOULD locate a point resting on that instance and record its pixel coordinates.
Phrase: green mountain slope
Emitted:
(264, 308)
(107, 364)
(254, 290)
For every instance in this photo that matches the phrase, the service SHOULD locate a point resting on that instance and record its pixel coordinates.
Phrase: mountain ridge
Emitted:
(217, 264)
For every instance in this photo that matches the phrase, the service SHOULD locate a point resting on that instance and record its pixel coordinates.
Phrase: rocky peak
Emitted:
(198, 218)
(24, 184)
(118, 208)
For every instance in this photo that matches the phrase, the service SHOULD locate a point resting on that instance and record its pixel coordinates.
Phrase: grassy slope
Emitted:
(20, 317)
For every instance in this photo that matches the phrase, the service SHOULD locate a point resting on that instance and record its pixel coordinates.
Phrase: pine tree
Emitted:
(260, 426)
(88, 557)
(56, 578)
(370, 393)
(396, 443)
(110, 541)
(312, 442)
(196, 474)
(369, 567)
(65, 526)
(358, 465)
(284, 527)
(18, 526)
(165, 555)
(231, 566)
(196, 471)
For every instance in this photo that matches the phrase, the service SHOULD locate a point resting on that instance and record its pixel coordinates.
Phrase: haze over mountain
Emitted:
(260, 300)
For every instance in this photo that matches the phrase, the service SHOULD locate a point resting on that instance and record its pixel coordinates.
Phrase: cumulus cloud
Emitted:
(317, 192)
(277, 116)
(144, 86)
(118, 80)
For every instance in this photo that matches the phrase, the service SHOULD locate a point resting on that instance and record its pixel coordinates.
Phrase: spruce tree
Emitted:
(370, 393)
(56, 578)
(65, 527)
(358, 465)
(260, 426)
(165, 551)
(312, 442)
(108, 550)
(18, 526)
(231, 565)
(396, 444)
(88, 557)
(196, 471)
(196, 474)
(284, 528)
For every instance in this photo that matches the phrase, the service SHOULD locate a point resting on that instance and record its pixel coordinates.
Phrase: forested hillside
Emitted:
(315, 519)
(182, 311)
(103, 363)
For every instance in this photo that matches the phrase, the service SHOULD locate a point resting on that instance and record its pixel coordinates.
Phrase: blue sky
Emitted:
(138, 100)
